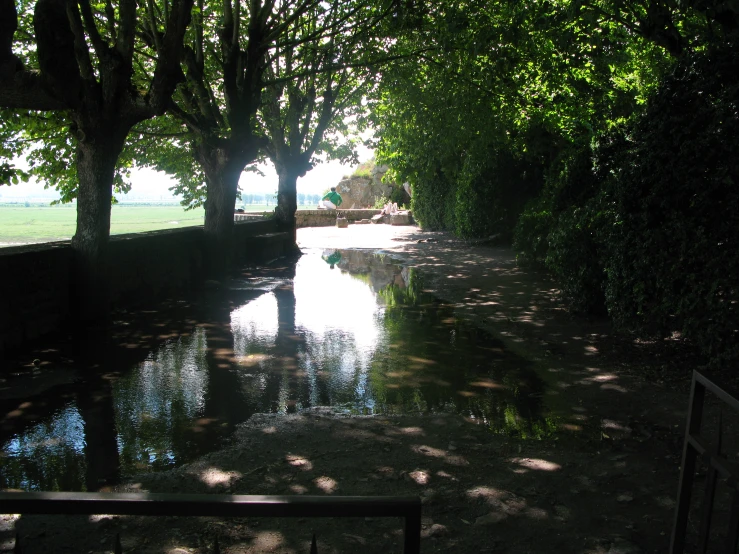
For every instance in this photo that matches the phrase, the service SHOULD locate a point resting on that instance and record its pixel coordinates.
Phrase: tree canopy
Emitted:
(595, 136)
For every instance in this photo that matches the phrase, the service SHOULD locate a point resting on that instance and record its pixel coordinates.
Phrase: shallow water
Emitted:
(351, 330)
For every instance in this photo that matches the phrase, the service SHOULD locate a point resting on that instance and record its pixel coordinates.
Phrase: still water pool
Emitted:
(352, 330)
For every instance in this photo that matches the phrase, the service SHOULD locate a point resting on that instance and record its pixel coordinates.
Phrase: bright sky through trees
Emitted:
(147, 182)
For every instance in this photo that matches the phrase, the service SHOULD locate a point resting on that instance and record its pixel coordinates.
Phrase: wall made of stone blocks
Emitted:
(35, 280)
(327, 218)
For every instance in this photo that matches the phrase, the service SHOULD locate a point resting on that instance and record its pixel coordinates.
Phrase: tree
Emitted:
(107, 67)
(527, 81)
(225, 60)
(316, 78)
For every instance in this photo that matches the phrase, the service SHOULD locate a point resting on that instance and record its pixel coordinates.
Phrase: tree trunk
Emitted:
(222, 174)
(287, 202)
(96, 163)
(95, 405)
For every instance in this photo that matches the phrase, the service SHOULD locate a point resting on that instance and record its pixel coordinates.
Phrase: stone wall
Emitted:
(327, 218)
(35, 291)
(364, 192)
(35, 279)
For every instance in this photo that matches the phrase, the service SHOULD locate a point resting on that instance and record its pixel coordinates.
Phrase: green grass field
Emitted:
(25, 225)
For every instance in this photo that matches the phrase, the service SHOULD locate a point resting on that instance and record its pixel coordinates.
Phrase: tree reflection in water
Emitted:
(50, 456)
(366, 339)
(361, 337)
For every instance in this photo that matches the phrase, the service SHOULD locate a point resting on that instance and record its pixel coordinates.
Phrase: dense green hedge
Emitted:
(484, 197)
(433, 203)
(673, 261)
(645, 222)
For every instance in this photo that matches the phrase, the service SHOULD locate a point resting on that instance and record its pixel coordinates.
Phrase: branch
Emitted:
(462, 77)
(110, 16)
(189, 121)
(199, 54)
(101, 49)
(303, 7)
(24, 90)
(127, 33)
(167, 135)
(81, 52)
(168, 71)
(153, 27)
(339, 67)
(324, 120)
(613, 17)
(200, 90)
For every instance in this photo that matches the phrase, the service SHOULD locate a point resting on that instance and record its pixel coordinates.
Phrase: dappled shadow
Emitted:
(479, 491)
(600, 473)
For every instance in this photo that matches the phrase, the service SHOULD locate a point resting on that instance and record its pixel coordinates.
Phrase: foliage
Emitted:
(639, 220)
(397, 196)
(48, 139)
(671, 260)
(562, 229)
(380, 202)
(433, 204)
(525, 80)
(364, 169)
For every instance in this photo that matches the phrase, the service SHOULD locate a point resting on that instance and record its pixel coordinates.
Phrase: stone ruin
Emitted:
(363, 192)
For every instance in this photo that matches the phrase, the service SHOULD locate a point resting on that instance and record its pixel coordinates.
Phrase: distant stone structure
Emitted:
(363, 192)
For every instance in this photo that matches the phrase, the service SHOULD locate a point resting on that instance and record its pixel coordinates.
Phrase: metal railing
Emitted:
(698, 446)
(219, 505)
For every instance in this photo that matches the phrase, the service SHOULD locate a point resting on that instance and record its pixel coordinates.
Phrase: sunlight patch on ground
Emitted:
(603, 378)
(485, 493)
(267, 541)
(97, 518)
(299, 461)
(611, 386)
(326, 484)
(487, 384)
(537, 513)
(214, 477)
(420, 477)
(423, 361)
(428, 451)
(614, 425)
(411, 431)
(536, 464)
(437, 453)
(569, 427)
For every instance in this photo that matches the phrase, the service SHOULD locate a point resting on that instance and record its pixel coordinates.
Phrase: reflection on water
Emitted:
(351, 330)
(156, 404)
(49, 456)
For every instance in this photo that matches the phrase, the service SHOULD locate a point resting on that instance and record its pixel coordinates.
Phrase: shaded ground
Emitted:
(606, 483)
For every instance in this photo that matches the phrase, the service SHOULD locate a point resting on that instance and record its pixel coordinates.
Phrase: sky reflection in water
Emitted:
(360, 336)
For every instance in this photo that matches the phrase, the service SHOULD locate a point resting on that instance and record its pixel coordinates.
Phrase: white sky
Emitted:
(147, 182)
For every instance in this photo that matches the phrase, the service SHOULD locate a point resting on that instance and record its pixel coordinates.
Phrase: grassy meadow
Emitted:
(21, 224)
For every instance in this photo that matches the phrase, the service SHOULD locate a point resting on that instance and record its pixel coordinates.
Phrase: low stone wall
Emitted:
(36, 279)
(327, 218)
(35, 284)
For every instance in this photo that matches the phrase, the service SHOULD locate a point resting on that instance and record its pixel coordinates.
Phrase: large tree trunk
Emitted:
(222, 178)
(95, 405)
(96, 163)
(287, 202)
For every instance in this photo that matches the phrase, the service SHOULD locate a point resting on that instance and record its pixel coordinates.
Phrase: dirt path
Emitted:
(606, 483)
